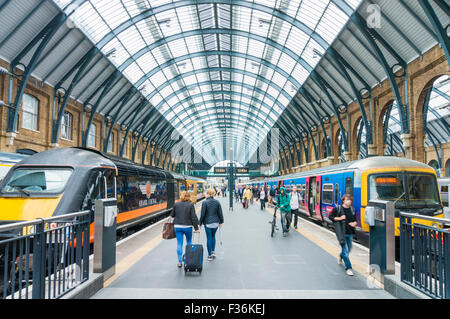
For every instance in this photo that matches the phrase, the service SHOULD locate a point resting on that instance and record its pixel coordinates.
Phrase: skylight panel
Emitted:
(187, 16)
(332, 22)
(116, 52)
(311, 11)
(297, 41)
(112, 12)
(241, 18)
(131, 40)
(147, 62)
(133, 73)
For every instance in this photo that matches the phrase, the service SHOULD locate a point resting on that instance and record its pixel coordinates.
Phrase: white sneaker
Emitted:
(349, 272)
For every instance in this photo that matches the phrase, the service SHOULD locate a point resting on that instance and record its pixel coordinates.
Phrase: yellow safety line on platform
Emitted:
(127, 262)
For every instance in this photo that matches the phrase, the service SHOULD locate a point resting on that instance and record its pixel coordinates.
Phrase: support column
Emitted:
(372, 149)
(330, 160)
(348, 156)
(408, 140)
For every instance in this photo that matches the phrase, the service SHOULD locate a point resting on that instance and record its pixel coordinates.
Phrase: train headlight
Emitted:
(435, 225)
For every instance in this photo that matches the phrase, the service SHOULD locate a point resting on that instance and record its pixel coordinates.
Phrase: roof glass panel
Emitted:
(261, 50)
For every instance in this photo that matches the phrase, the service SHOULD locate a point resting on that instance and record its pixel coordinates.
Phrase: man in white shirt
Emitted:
(262, 198)
(295, 204)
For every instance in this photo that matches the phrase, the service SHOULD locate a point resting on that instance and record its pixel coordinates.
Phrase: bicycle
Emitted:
(274, 221)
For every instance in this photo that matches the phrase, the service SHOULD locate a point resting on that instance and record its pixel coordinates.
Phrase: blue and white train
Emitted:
(413, 185)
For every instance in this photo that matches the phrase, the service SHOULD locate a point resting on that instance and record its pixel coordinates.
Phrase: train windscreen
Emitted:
(408, 190)
(37, 181)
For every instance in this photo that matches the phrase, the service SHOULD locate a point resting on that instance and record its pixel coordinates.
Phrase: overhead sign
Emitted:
(220, 170)
(242, 170)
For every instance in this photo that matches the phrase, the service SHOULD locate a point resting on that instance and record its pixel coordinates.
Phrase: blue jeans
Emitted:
(345, 254)
(285, 220)
(179, 232)
(210, 239)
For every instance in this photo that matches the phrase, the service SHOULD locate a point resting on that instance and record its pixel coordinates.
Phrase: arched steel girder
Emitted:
(299, 109)
(220, 131)
(43, 38)
(124, 139)
(202, 32)
(104, 88)
(343, 68)
(230, 120)
(243, 3)
(231, 93)
(223, 82)
(201, 114)
(320, 82)
(441, 31)
(305, 111)
(370, 34)
(257, 76)
(237, 126)
(288, 121)
(213, 82)
(312, 101)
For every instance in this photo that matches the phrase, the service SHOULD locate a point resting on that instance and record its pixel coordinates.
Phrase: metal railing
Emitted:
(44, 258)
(425, 255)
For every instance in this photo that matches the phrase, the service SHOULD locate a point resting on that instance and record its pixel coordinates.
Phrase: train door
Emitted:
(306, 197)
(311, 194)
(317, 200)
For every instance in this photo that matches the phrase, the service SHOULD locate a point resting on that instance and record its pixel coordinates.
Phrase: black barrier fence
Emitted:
(44, 258)
(425, 256)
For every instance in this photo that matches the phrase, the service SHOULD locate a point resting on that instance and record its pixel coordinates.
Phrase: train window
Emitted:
(349, 185)
(200, 189)
(444, 189)
(93, 190)
(327, 194)
(37, 181)
(336, 194)
(110, 184)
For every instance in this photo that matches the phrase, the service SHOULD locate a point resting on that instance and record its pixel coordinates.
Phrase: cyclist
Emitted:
(283, 202)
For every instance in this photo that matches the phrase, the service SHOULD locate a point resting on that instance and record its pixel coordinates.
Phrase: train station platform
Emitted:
(250, 264)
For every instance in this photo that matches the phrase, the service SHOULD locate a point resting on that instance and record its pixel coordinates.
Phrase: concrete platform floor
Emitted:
(250, 264)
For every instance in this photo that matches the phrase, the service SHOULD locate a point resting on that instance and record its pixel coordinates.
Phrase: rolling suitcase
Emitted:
(193, 258)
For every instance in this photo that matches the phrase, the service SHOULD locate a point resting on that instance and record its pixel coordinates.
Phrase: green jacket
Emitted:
(284, 201)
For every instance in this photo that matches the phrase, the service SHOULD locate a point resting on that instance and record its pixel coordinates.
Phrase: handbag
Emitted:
(168, 231)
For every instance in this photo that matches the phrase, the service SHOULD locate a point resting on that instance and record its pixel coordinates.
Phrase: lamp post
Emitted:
(231, 179)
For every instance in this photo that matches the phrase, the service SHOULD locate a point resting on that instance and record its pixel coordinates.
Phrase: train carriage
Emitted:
(66, 180)
(196, 187)
(411, 184)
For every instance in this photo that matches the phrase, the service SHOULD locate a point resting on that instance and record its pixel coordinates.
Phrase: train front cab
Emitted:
(422, 196)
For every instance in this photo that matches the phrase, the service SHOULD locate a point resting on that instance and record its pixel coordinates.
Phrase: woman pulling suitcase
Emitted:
(212, 217)
(185, 219)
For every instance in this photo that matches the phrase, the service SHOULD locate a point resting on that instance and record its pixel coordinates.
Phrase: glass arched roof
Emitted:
(214, 67)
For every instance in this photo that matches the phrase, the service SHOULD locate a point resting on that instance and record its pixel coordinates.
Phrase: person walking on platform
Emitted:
(262, 198)
(184, 219)
(247, 196)
(296, 199)
(241, 193)
(212, 218)
(284, 203)
(345, 214)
